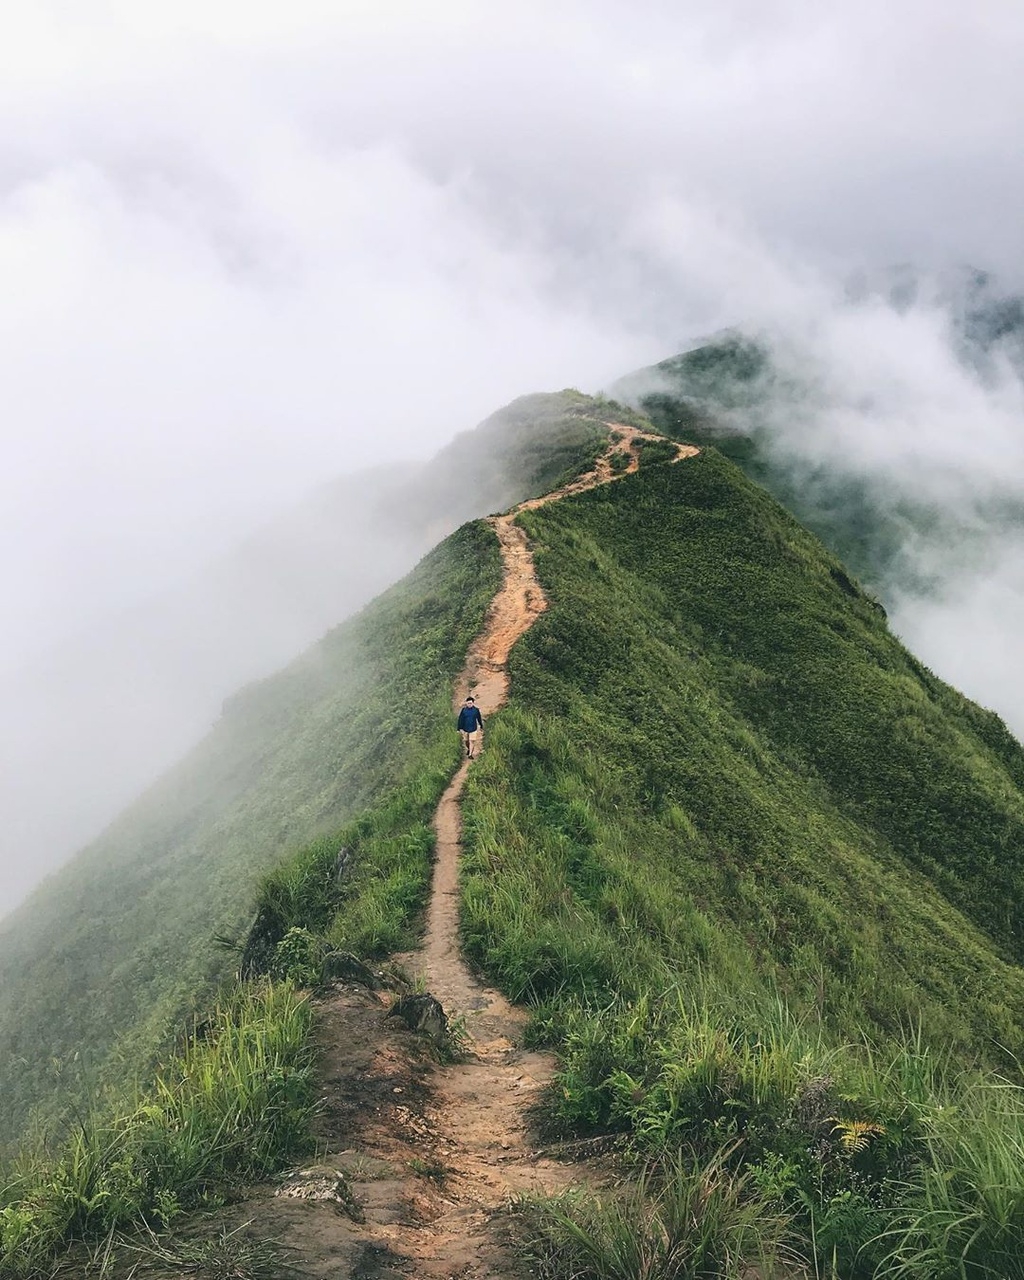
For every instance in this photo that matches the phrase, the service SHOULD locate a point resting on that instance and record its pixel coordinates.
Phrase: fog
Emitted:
(897, 399)
(247, 249)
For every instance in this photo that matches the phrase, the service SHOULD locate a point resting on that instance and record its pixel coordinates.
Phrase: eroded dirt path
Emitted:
(482, 1106)
(519, 602)
(431, 1153)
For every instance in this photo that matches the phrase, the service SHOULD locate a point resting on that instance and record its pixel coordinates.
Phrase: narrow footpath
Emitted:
(438, 1150)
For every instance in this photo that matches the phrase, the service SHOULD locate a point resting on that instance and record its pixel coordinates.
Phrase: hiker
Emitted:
(470, 724)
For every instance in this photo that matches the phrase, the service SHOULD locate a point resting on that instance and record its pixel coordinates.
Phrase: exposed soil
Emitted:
(431, 1154)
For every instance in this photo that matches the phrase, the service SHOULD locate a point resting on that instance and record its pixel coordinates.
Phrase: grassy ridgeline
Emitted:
(103, 964)
(727, 825)
(349, 747)
(717, 755)
(365, 717)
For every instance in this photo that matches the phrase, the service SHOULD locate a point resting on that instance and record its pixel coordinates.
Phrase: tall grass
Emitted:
(233, 1103)
(963, 1214)
(886, 1160)
(677, 1221)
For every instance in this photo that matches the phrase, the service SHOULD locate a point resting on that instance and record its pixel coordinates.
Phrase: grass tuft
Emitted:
(675, 1222)
(234, 1103)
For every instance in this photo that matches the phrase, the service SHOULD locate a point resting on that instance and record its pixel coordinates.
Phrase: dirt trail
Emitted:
(434, 1151)
(482, 1105)
(519, 602)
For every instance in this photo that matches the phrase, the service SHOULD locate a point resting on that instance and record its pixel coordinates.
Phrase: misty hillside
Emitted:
(729, 393)
(702, 958)
(934, 527)
(768, 701)
(726, 818)
(107, 713)
(115, 947)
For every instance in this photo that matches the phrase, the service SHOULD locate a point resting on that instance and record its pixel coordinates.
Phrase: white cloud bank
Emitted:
(246, 247)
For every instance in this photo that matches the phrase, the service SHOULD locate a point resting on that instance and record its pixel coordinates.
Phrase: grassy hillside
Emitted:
(728, 825)
(718, 755)
(112, 951)
(103, 963)
(113, 708)
(759, 872)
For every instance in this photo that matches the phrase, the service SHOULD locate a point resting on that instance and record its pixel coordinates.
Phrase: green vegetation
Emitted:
(101, 969)
(759, 872)
(724, 394)
(732, 394)
(103, 965)
(752, 758)
(344, 754)
(234, 1103)
(678, 1221)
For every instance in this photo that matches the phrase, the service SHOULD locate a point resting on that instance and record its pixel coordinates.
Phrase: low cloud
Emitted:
(891, 399)
(247, 248)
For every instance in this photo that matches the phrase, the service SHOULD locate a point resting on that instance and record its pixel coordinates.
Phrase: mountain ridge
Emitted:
(721, 788)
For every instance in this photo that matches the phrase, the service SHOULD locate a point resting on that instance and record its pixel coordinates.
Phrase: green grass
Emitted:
(759, 872)
(715, 755)
(675, 1222)
(963, 1212)
(531, 446)
(103, 967)
(350, 743)
(234, 1103)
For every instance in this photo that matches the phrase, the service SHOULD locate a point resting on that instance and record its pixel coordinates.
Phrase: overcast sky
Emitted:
(247, 246)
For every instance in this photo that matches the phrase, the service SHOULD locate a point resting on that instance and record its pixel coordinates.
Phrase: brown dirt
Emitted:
(433, 1153)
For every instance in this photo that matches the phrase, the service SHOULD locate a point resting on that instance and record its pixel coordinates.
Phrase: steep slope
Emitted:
(717, 756)
(730, 393)
(700, 909)
(114, 949)
(102, 964)
(723, 823)
(762, 877)
(104, 713)
(902, 531)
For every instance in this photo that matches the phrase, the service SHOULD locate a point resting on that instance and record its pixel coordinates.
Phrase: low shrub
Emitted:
(234, 1103)
(676, 1222)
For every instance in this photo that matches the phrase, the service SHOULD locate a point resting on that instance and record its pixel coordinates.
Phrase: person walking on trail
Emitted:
(470, 724)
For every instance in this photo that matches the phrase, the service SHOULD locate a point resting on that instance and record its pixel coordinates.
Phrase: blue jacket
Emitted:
(470, 719)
